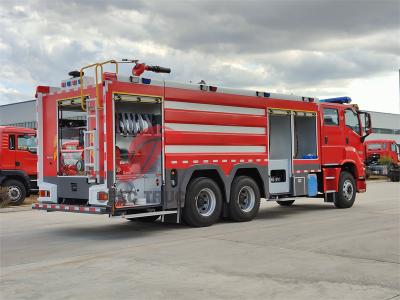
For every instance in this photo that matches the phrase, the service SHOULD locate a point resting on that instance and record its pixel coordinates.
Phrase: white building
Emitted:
(385, 126)
(23, 114)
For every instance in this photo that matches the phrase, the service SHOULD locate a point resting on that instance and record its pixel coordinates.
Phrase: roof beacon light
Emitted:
(339, 100)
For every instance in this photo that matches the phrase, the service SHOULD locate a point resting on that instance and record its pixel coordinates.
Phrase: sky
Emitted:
(310, 48)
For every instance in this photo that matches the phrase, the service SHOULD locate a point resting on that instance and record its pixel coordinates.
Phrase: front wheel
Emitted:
(394, 174)
(347, 191)
(16, 191)
(203, 203)
(244, 202)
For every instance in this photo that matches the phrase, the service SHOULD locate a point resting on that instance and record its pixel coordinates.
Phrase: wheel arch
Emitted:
(224, 181)
(16, 175)
(210, 171)
(254, 173)
(350, 167)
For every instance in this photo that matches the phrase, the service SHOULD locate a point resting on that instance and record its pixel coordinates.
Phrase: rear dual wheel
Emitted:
(244, 202)
(203, 203)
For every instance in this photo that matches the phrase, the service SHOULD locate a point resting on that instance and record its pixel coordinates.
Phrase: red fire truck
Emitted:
(18, 162)
(191, 152)
(378, 150)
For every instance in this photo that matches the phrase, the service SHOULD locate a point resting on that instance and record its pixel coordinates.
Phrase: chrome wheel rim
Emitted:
(14, 193)
(246, 199)
(206, 201)
(348, 190)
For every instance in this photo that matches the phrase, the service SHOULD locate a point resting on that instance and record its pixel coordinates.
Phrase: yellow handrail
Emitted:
(112, 61)
(81, 85)
(97, 65)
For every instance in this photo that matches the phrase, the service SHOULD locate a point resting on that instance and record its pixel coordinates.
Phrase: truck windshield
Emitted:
(376, 146)
(352, 121)
(27, 142)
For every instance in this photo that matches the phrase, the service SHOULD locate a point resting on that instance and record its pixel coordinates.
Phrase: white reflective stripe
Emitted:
(212, 149)
(214, 108)
(214, 128)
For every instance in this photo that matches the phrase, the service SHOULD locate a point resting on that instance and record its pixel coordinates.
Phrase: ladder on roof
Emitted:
(91, 142)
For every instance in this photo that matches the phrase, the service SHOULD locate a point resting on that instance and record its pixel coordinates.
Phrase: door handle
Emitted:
(326, 140)
(17, 163)
(347, 140)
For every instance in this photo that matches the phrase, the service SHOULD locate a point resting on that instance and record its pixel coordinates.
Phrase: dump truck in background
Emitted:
(18, 160)
(191, 152)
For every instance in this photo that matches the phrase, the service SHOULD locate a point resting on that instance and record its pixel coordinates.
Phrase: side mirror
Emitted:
(32, 150)
(367, 125)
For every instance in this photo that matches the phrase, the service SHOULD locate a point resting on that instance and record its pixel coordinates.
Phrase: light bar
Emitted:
(339, 100)
(75, 82)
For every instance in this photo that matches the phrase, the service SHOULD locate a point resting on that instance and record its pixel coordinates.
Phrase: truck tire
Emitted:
(203, 203)
(395, 176)
(346, 192)
(244, 201)
(16, 191)
(285, 203)
(394, 173)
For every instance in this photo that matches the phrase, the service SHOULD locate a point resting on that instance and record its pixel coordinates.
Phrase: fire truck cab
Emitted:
(18, 161)
(383, 158)
(194, 152)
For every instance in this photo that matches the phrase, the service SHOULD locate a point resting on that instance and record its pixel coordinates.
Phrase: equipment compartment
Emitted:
(305, 135)
(138, 157)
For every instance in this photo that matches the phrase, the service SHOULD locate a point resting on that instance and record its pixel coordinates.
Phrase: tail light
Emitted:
(174, 178)
(44, 193)
(102, 196)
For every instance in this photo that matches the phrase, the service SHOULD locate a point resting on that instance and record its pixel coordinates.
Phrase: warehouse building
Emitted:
(23, 114)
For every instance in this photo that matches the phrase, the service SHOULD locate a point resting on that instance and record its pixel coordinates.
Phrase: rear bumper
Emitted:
(71, 208)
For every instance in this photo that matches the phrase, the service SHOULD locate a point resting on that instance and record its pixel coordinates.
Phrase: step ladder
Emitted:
(91, 142)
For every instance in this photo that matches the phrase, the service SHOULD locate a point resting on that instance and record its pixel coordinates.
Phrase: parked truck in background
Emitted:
(383, 158)
(191, 152)
(18, 160)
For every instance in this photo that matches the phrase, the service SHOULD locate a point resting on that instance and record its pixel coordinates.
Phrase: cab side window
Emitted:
(11, 142)
(331, 117)
(394, 147)
(351, 120)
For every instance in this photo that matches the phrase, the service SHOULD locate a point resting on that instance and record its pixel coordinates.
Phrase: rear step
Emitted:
(70, 208)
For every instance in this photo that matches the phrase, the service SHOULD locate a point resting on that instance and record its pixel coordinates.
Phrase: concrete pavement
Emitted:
(308, 251)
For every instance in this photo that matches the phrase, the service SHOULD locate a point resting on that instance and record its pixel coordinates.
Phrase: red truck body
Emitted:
(383, 158)
(383, 148)
(192, 151)
(18, 162)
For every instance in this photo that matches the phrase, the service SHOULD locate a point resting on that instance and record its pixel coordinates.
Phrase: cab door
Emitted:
(332, 135)
(395, 152)
(25, 153)
(353, 132)
(8, 152)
